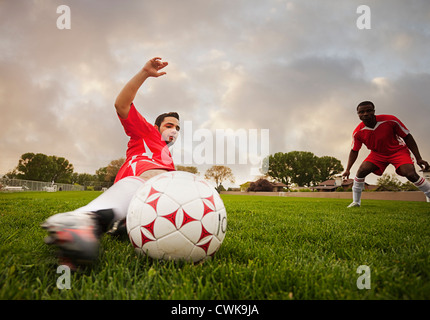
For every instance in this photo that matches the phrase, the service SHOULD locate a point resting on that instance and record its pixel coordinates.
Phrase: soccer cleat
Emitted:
(118, 228)
(76, 235)
(354, 205)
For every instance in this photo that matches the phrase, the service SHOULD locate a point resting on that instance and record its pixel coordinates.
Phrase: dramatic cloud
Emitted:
(297, 68)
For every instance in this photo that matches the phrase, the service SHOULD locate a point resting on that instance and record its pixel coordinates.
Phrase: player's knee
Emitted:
(408, 172)
(362, 173)
(412, 177)
(365, 169)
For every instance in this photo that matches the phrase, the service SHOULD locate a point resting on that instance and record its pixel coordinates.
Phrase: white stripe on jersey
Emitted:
(405, 131)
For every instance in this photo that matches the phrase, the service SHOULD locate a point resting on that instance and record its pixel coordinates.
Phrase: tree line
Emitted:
(302, 168)
(298, 167)
(41, 167)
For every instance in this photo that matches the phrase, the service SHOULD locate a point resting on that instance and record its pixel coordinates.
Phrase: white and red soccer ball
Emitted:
(177, 216)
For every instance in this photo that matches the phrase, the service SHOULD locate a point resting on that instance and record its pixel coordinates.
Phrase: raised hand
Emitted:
(153, 67)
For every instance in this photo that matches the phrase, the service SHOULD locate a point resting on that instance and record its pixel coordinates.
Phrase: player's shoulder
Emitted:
(135, 115)
(386, 117)
(137, 126)
(358, 128)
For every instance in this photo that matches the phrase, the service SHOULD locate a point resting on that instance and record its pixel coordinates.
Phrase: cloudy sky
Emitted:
(296, 68)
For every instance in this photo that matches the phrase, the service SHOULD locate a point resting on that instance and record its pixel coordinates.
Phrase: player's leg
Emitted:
(408, 171)
(363, 171)
(77, 233)
(117, 197)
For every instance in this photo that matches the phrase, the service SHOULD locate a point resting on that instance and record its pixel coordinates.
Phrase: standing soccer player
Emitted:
(381, 134)
(77, 233)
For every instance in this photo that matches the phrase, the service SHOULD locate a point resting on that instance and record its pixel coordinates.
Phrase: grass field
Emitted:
(275, 249)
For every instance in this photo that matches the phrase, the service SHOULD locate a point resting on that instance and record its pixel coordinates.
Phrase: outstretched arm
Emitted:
(412, 145)
(351, 160)
(128, 93)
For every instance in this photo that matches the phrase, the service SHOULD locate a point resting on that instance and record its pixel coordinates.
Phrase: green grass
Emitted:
(275, 249)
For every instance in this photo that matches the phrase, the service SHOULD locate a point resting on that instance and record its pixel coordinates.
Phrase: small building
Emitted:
(262, 185)
(278, 186)
(244, 186)
(333, 184)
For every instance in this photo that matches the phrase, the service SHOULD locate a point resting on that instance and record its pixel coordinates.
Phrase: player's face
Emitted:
(169, 129)
(366, 114)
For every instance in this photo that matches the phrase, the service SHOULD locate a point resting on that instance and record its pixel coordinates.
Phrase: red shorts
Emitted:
(397, 159)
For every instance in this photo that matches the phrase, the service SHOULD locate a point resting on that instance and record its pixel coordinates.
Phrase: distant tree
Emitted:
(187, 169)
(101, 174)
(83, 179)
(40, 167)
(301, 167)
(277, 167)
(245, 186)
(13, 174)
(220, 188)
(219, 174)
(388, 182)
(74, 178)
(63, 169)
(328, 167)
(408, 186)
(112, 169)
(260, 185)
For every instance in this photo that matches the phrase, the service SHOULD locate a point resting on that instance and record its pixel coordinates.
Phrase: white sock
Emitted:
(423, 185)
(117, 197)
(357, 189)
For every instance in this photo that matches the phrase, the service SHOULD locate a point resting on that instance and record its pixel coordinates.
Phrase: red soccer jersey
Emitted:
(384, 138)
(146, 149)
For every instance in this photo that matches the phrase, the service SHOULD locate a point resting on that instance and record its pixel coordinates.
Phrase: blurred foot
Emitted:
(76, 235)
(354, 205)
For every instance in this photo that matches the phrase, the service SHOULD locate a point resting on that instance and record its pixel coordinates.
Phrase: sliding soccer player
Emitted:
(77, 233)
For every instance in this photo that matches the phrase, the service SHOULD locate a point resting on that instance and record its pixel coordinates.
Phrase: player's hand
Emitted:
(153, 67)
(345, 175)
(424, 165)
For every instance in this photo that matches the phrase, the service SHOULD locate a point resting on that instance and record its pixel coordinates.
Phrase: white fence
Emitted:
(15, 185)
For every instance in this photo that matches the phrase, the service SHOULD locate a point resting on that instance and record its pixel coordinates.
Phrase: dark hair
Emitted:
(161, 117)
(366, 103)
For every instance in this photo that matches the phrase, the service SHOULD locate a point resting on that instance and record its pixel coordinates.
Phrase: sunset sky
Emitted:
(296, 68)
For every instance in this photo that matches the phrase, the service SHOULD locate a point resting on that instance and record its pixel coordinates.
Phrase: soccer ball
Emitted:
(176, 216)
